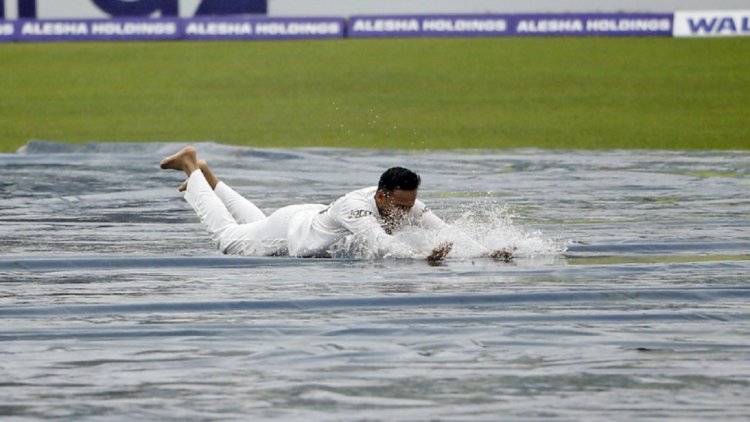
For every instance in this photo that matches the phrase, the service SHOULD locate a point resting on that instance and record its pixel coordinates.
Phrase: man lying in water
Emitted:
(310, 230)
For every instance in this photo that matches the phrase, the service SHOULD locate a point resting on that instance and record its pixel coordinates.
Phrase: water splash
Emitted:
(478, 230)
(492, 226)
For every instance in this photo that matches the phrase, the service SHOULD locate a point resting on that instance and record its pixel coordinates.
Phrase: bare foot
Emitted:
(212, 180)
(185, 160)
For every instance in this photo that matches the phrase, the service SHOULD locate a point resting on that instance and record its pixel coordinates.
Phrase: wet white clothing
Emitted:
(308, 230)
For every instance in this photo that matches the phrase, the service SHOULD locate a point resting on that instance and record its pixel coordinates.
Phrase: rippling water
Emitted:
(629, 298)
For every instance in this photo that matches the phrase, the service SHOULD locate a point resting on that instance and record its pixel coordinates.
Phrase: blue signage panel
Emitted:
(511, 25)
(216, 28)
(228, 28)
(98, 29)
(631, 25)
(7, 31)
(245, 27)
(428, 26)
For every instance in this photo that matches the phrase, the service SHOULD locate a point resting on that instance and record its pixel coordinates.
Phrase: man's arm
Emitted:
(439, 253)
(358, 219)
(427, 219)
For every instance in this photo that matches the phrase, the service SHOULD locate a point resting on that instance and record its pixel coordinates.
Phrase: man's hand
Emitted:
(440, 252)
(504, 255)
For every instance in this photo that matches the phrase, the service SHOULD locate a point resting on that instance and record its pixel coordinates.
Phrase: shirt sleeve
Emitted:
(424, 217)
(427, 219)
(356, 217)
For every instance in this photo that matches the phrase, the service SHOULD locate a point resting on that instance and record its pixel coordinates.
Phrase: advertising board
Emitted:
(511, 25)
(7, 31)
(97, 29)
(210, 28)
(229, 28)
(712, 23)
(70, 20)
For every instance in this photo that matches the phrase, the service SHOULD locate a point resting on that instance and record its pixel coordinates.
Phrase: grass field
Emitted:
(405, 93)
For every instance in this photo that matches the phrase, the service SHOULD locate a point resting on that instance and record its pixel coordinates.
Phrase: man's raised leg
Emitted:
(261, 237)
(200, 195)
(221, 223)
(210, 176)
(241, 209)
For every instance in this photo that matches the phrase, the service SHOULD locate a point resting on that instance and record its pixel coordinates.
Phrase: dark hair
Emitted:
(399, 178)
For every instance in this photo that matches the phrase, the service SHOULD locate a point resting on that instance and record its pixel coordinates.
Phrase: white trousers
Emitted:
(236, 224)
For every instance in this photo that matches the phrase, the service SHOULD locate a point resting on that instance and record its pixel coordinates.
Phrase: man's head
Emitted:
(397, 192)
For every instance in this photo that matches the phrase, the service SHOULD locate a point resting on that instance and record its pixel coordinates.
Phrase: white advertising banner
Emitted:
(726, 23)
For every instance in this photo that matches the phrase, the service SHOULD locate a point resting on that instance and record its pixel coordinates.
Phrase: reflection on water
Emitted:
(629, 296)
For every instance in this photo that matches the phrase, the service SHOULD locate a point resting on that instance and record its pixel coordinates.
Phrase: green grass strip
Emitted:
(654, 93)
(654, 259)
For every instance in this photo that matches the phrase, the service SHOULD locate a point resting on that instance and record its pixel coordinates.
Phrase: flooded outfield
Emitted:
(629, 298)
